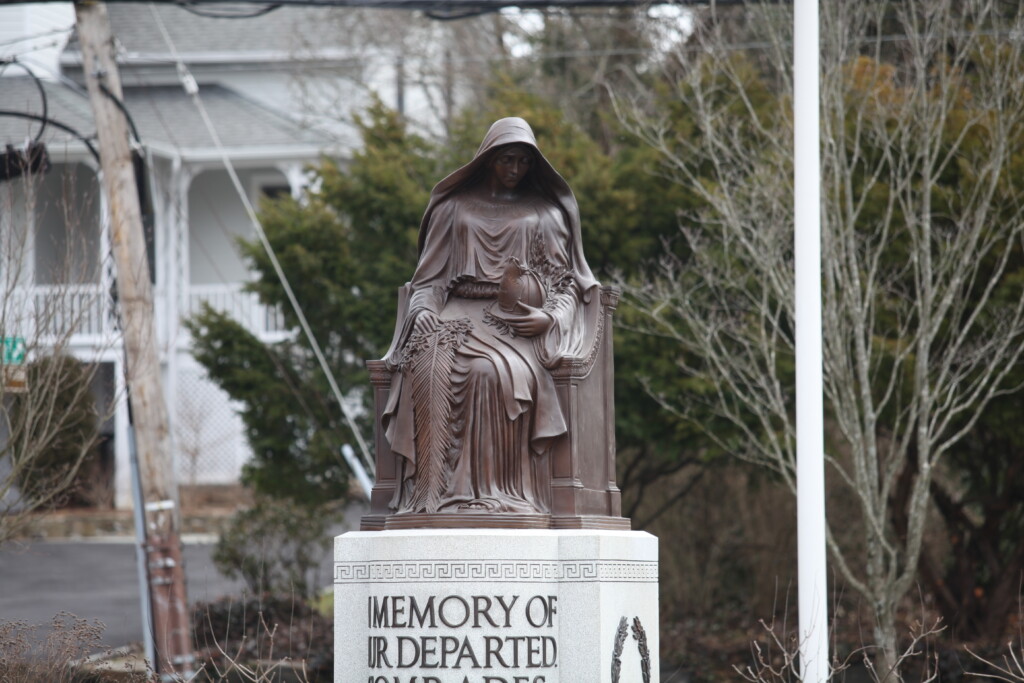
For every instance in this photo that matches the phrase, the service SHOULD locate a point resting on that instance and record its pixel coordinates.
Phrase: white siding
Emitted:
(217, 220)
(32, 20)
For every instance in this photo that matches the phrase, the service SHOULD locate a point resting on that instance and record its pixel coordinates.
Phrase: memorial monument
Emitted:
(494, 550)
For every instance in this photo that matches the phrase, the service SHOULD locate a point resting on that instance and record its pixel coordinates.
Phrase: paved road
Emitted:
(93, 580)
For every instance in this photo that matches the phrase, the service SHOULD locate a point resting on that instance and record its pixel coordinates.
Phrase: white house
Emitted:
(269, 84)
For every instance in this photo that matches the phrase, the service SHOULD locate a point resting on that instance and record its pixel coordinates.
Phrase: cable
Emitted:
(58, 76)
(58, 124)
(189, 83)
(58, 43)
(33, 36)
(451, 15)
(347, 452)
(124, 110)
(252, 14)
(484, 5)
(39, 84)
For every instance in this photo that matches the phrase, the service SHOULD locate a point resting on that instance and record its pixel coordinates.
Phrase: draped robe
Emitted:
(473, 411)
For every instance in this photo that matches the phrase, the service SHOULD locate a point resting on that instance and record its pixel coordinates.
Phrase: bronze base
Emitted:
(490, 520)
(467, 520)
(591, 522)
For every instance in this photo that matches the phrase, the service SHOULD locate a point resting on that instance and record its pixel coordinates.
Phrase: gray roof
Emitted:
(286, 30)
(164, 115)
(167, 113)
(20, 94)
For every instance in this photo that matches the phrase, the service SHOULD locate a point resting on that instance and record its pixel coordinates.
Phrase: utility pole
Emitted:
(135, 297)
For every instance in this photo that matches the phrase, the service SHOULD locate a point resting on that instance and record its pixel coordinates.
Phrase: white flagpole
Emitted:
(810, 441)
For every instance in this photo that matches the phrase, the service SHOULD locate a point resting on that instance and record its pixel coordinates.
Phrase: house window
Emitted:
(269, 184)
(275, 191)
(64, 205)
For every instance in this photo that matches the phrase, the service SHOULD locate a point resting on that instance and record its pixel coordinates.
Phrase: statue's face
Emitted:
(511, 164)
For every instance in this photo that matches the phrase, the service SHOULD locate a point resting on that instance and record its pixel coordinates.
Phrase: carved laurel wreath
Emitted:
(428, 358)
(640, 636)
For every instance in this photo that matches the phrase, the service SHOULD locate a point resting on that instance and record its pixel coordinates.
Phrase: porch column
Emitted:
(174, 216)
(122, 462)
(297, 179)
(112, 332)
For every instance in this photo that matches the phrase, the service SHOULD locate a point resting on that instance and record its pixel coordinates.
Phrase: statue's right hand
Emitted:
(425, 321)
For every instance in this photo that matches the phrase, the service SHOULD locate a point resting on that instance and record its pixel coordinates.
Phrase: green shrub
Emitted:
(276, 547)
(54, 432)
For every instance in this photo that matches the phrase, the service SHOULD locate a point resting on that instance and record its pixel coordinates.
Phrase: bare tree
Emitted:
(49, 421)
(431, 71)
(923, 219)
(426, 69)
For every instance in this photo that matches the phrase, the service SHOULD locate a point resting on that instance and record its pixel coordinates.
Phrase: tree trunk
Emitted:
(886, 660)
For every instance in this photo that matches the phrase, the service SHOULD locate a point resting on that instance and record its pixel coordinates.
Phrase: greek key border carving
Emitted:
(516, 571)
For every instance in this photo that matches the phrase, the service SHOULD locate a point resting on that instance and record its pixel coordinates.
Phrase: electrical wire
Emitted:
(33, 36)
(196, 238)
(43, 118)
(62, 78)
(450, 14)
(42, 92)
(193, 8)
(56, 124)
(124, 110)
(485, 6)
(39, 47)
(471, 59)
(189, 83)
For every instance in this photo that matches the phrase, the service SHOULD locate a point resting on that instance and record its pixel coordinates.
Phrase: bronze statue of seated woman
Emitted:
(494, 403)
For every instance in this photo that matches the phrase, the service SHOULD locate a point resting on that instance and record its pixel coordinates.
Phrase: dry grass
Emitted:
(58, 652)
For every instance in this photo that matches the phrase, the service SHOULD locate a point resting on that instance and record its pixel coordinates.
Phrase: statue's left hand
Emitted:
(531, 322)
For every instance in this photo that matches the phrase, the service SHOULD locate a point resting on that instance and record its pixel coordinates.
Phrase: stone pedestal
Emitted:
(496, 606)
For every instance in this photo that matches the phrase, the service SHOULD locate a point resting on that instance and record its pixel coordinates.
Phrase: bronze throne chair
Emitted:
(583, 493)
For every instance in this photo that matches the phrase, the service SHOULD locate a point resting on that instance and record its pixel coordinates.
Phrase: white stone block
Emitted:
(495, 606)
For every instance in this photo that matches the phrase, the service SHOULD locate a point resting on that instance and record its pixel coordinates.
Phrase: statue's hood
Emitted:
(543, 178)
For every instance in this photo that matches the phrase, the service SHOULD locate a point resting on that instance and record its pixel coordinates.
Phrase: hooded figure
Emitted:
(495, 302)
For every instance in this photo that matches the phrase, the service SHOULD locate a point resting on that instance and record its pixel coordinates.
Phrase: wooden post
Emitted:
(135, 299)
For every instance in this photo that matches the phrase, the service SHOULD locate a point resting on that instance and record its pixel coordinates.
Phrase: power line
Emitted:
(58, 76)
(124, 110)
(35, 48)
(33, 36)
(39, 86)
(451, 6)
(193, 7)
(192, 88)
(211, 206)
(57, 124)
(44, 117)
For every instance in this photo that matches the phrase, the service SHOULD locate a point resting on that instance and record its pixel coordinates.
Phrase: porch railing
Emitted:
(67, 311)
(80, 313)
(245, 307)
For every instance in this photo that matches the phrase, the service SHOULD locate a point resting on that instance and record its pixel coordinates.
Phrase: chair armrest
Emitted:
(403, 310)
(598, 318)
